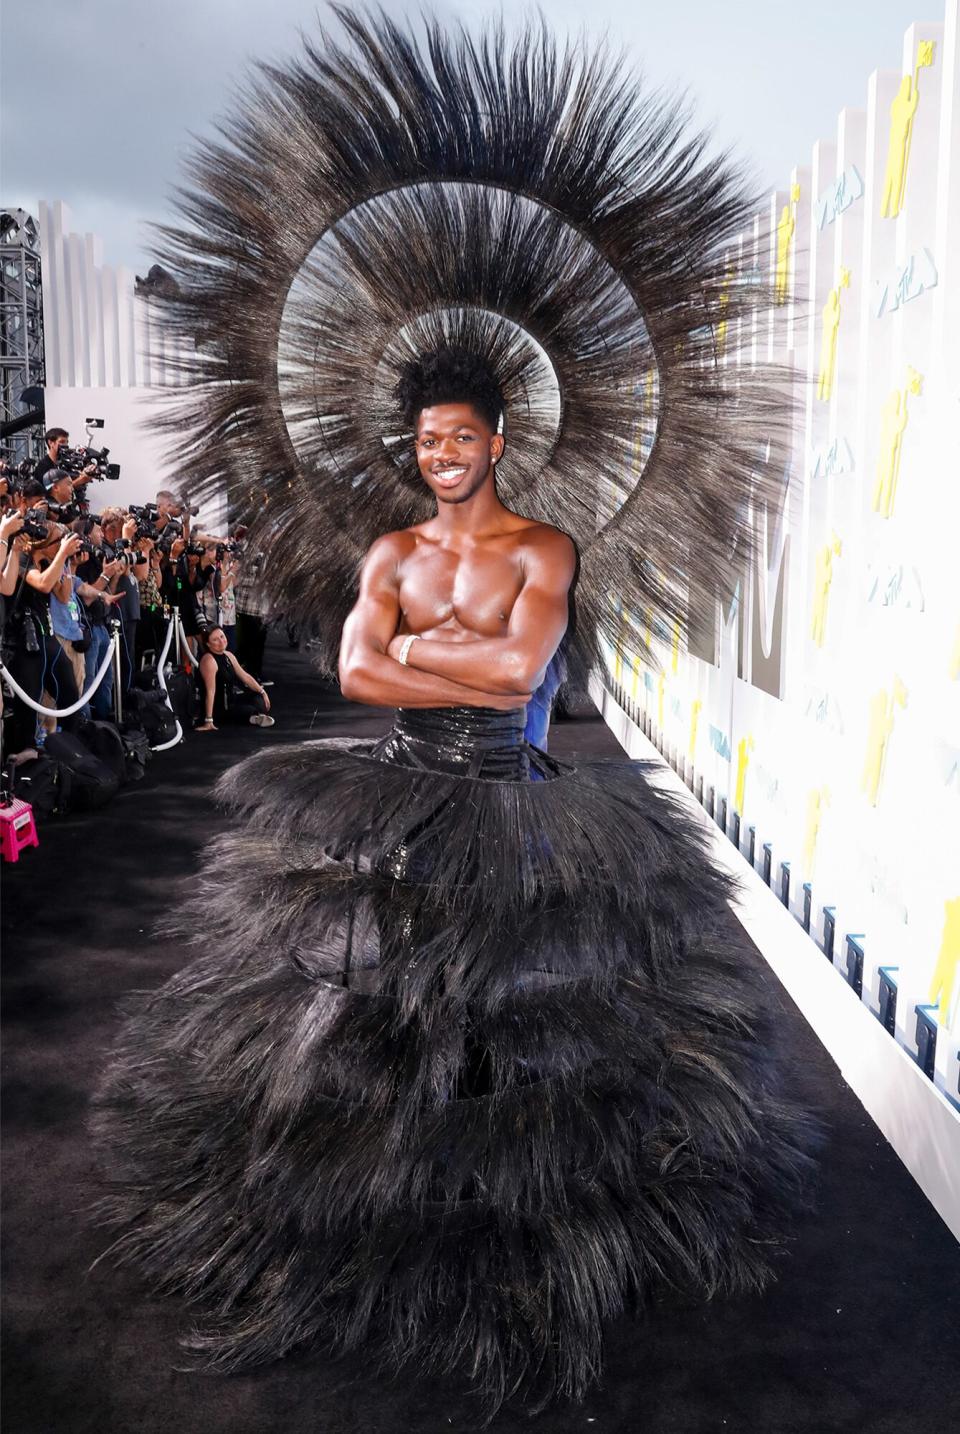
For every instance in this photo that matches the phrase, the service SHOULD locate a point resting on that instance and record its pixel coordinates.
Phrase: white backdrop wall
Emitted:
(105, 358)
(142, 454)
(825, 707)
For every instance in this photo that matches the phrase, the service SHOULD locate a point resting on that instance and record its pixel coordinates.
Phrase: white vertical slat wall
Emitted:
(827, 717)
(97, 332)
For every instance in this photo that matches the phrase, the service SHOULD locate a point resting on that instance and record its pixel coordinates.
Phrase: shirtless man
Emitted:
(483, 590)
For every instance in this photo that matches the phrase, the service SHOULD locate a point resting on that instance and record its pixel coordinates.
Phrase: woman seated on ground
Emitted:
(229, 694)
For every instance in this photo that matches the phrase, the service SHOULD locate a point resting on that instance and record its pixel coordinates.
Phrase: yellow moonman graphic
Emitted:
(822, 578)
(635, 684)
(948, 961)
(880, 726)
(675, 652)
(828, 338)
(902, 112)
(694, 714)
(744, 747)
(786, 229)
(817, 799)
(893, 421)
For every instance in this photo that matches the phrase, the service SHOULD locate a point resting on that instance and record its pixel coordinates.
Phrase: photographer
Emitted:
(30, 494)
(214, 585)
(152, 626)
(37, 660)
(119, 542)
(72, 626)
(58, 444)
(229, 693)
(97, 571)
(10, 525)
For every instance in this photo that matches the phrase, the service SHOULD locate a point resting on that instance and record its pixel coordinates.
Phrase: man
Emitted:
(56, 440)
(515, 1058)
(30, 494)
(117, 524)
(470, 606)
(58, 485)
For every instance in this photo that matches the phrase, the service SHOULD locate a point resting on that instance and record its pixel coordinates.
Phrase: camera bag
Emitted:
(45, 784)
(136, 751)
(182, 691)
(153, 715)
(93, 783)
(103, 740)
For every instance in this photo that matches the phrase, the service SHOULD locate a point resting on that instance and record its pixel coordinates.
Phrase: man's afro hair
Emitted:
(449, 375)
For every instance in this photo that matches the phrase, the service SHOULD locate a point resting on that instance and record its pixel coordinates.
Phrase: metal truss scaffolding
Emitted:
(21, 328)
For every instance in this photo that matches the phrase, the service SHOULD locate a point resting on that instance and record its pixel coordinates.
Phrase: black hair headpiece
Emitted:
(381, 197)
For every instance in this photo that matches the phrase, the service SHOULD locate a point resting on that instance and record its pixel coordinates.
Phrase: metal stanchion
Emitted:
(117, 674)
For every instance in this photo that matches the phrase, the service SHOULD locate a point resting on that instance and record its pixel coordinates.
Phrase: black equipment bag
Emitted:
(182, 691)
(45, 784)
(93, 783)
(136, 751)
(103, 740)
(146, 680)
(153, 715)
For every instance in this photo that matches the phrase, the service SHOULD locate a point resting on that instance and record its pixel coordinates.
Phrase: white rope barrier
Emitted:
(81, 702)
(163, 746)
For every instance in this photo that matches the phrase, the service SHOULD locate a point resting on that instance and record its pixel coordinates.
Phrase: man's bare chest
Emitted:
(475, 590)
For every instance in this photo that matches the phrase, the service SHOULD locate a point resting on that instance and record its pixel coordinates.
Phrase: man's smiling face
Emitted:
(456, 448)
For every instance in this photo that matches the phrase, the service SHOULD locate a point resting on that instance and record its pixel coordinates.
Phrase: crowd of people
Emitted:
(70, 575)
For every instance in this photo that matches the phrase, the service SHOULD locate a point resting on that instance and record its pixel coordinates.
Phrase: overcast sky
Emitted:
(100, 97)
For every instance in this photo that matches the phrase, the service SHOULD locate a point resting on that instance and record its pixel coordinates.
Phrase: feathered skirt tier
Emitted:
(469, 1059)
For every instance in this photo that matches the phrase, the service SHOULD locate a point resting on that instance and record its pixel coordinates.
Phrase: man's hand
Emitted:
(113, 568)
(111, 599)
(10, 525)
(70, 544)
(129, 529)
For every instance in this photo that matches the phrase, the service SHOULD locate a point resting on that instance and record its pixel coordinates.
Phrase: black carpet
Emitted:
(861, 1333)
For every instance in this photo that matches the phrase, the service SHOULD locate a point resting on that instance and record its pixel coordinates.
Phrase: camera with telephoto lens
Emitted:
(146, 515)
(125, 549)
(91, 550)
(195, 550)
(73, 461)
(170, 534)
(64, 512)
(35, 528)
(234, 549)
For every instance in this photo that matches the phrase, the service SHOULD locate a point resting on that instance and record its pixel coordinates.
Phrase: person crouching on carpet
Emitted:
(228, 692)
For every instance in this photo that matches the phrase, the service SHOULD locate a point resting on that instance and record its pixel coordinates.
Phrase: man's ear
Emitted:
(496, 447)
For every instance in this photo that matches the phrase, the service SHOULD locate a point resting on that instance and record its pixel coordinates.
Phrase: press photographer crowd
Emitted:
(74, 572)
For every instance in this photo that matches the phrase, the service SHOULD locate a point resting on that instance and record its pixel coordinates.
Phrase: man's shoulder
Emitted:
(400, 541)
(547, 541)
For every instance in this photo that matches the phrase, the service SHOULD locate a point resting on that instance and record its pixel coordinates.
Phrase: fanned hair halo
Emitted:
(383, 195)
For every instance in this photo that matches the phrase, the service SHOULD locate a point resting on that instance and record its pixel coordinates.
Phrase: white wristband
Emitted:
(406, 646)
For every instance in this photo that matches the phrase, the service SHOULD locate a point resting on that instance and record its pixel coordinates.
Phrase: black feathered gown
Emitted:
(468, 1061)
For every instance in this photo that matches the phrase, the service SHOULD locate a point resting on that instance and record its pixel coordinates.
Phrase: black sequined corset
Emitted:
(480, 742)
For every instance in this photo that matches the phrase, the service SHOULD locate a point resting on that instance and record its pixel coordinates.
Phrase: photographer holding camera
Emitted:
(36, 660)
(58, 455)
(10, 525)
(97, 570)
(119, 542)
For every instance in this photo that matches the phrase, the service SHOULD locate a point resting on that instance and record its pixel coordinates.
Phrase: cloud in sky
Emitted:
(102, 98)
